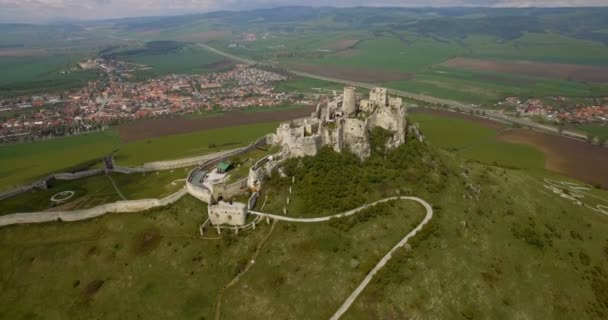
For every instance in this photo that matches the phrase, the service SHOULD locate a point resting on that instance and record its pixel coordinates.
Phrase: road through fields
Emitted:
(493, 115)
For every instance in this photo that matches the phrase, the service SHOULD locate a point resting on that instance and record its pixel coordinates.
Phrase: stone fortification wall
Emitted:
(355, 137)
(16, 191)
(252, 201)
(228, 191)
(193, 161)
(202, 194)
(78, 175)
(227, 213)
(261, 170)
(120, 206)
(180, 163)
(43, 181)
(391, 119)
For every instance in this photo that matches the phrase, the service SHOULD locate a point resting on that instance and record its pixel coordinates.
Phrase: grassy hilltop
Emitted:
(497, 240)
(504, 241)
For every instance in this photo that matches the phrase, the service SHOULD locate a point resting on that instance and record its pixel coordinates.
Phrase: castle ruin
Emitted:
(343, 123)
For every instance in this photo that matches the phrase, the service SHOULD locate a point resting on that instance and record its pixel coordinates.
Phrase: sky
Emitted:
(47, 10)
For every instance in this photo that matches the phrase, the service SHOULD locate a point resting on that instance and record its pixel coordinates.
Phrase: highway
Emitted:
(489, 114)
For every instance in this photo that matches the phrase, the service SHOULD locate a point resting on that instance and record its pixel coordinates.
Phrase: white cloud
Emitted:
(37, 10)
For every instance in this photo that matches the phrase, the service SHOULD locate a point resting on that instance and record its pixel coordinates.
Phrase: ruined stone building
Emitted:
(344, 124)
(231, 213)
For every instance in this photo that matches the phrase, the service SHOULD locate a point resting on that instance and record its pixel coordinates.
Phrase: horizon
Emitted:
(66, 11)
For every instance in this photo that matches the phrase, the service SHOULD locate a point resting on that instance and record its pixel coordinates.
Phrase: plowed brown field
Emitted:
(533, 68)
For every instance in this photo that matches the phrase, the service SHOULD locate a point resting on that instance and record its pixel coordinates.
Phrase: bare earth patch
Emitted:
(145, 129)
(577, 159)
(352, 73)
(532, 68)
(145, 242)
(91, 288)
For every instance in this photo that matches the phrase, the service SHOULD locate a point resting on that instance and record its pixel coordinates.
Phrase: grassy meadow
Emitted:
(21, 163)
(39, 74)
(24, 163)
(188, 60)
(496, 239)
(120, 266)
(191, 144)
(477, 142)
(97, 190)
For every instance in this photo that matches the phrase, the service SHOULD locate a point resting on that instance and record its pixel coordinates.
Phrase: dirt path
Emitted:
(122, 196)
(218, 308)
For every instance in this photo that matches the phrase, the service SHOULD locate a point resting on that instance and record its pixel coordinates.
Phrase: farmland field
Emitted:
(351, 73)
(191, 144)
(32, 75)
(23, 163)
(475, 139)
(430, 65)
(139, 142)
(146, 129)
(537, 69)
(177, 58)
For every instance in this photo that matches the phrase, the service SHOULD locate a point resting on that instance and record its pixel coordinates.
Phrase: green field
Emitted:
(89, 192)
(188, 60)
(595, 130)
(98, 190)
(35, 75)
(476, 142)
(26, 162)
(191, 144)
(499, 245)
(342, 254)
(422, 56)
(306, 85)
(142, 259)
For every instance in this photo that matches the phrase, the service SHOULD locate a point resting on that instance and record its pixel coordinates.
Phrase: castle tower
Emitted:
(379, 96)
(349, 102)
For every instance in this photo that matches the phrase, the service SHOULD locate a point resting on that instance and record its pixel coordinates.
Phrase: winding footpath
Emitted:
(349, 301)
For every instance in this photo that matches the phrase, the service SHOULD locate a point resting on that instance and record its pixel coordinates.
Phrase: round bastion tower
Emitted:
(349, 102)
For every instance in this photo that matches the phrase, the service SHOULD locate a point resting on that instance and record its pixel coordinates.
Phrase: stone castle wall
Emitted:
(120, 206)
(225, 213)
